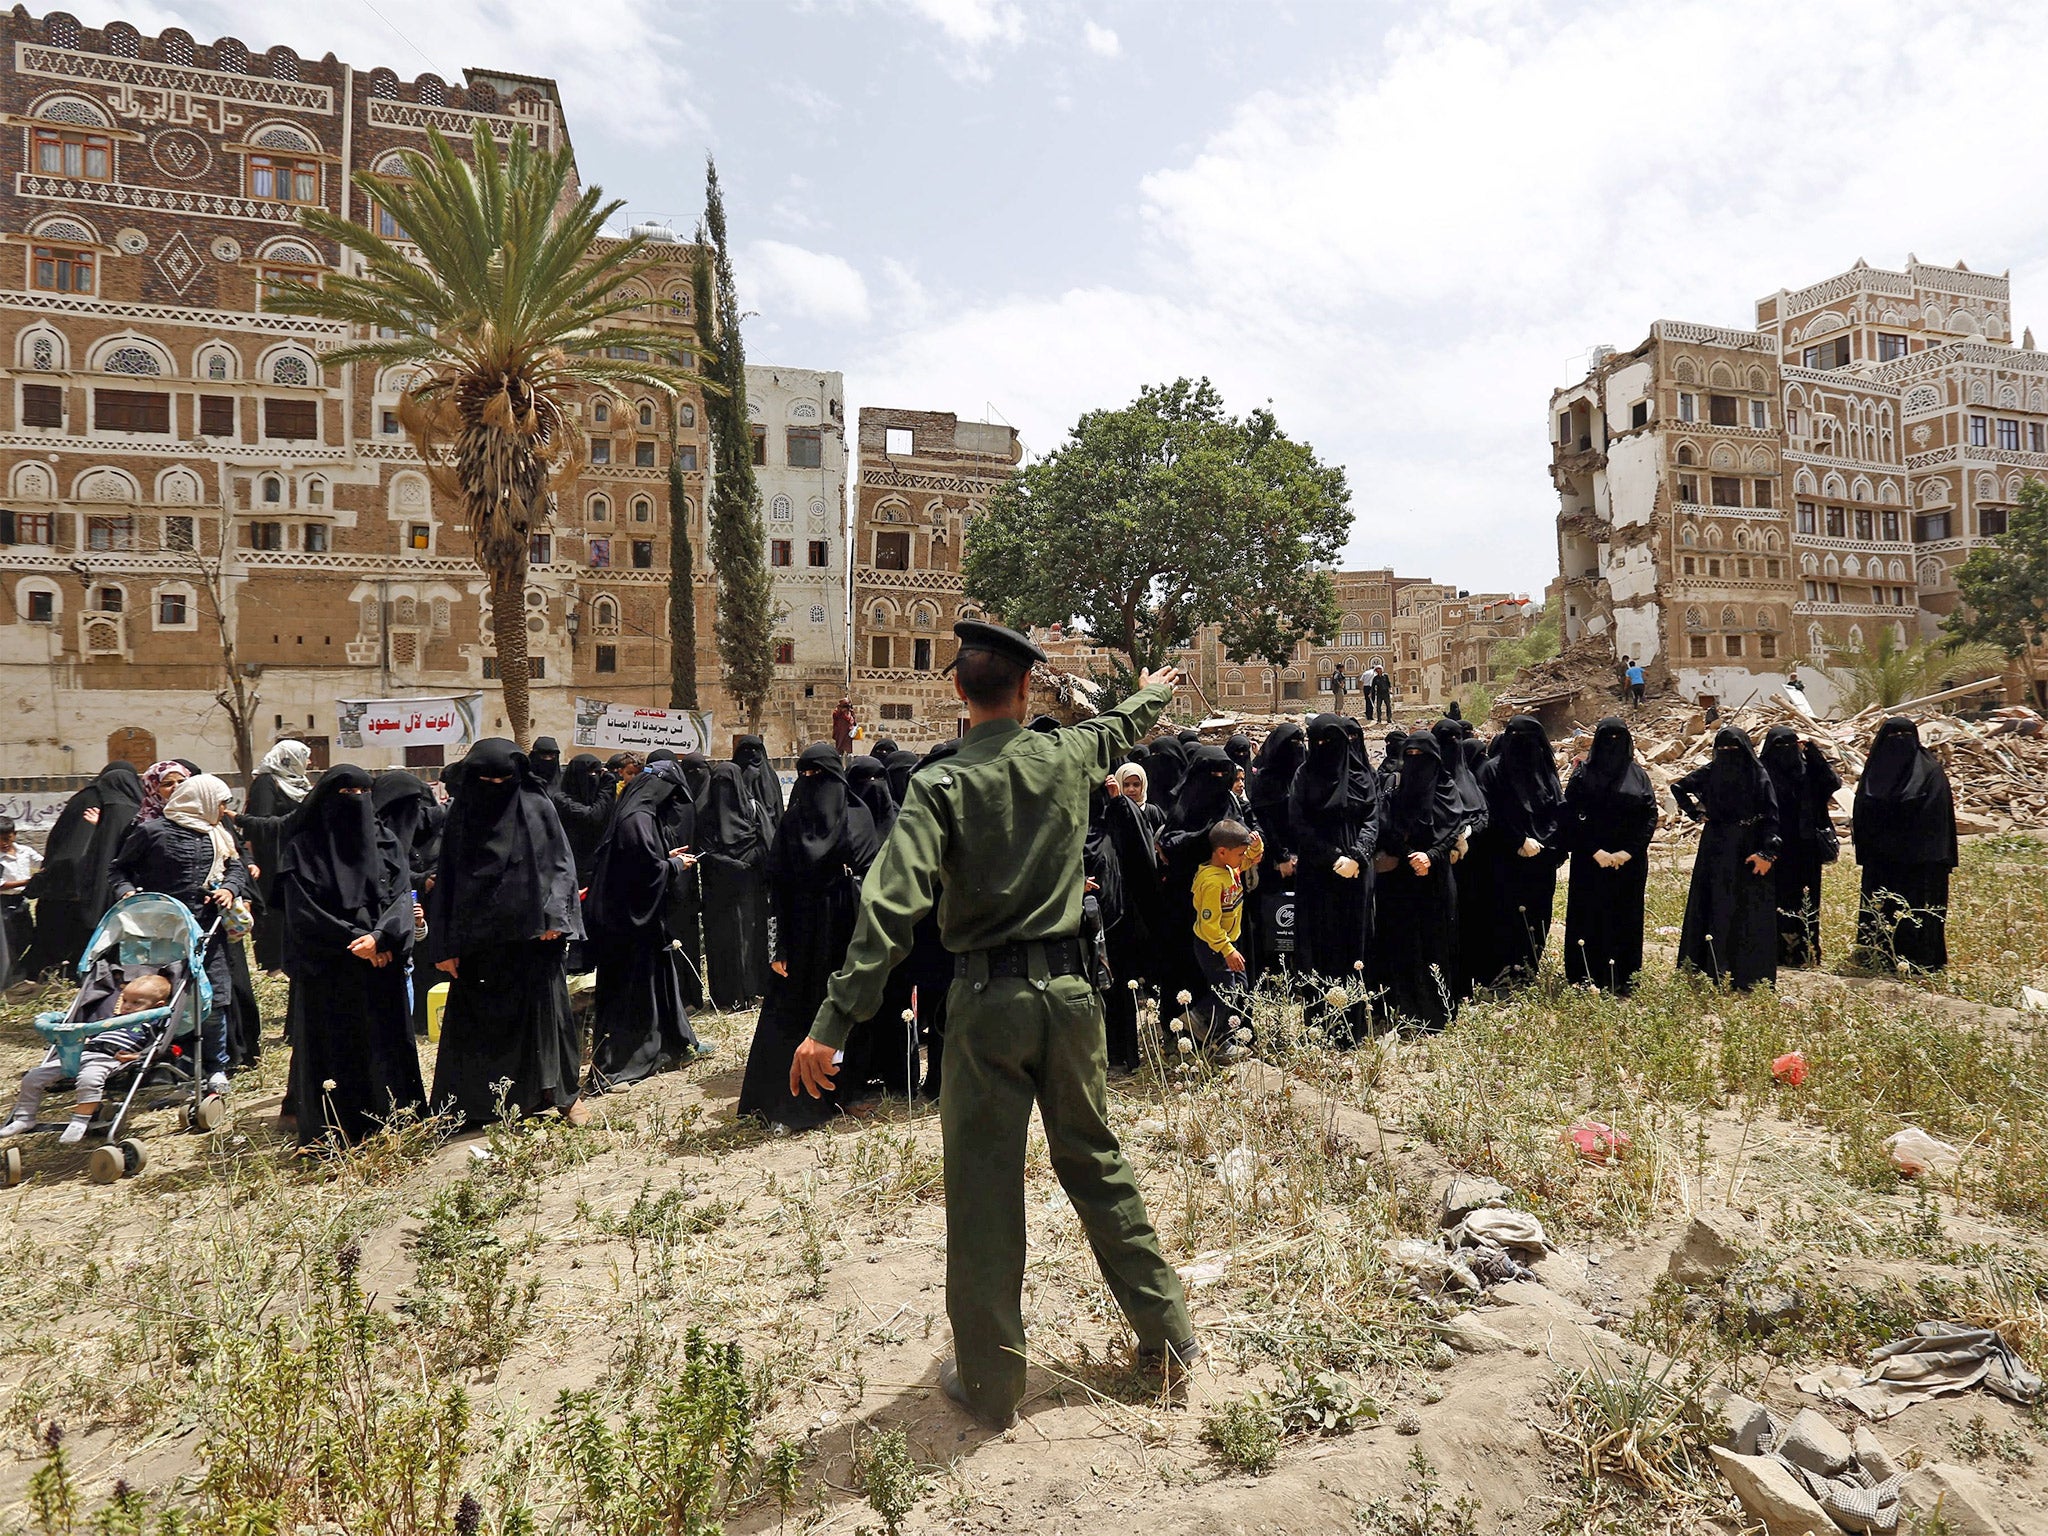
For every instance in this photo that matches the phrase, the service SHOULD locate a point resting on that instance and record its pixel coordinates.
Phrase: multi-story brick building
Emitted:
(924, 475)
(798, 418)
(1733, 501)
(158, 416)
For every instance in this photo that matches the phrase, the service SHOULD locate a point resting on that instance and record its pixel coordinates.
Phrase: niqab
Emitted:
(545, 760)
(331, 844)
(507, 875)
(869, 781)
(1523, 795)
(1424, 808)
(763, 783)
(1279, 760)
(900, 765)
(1905, 810)
(1204, 797)
(825, 828)
(1166, 764)
(1610, 779)
(1330, 779)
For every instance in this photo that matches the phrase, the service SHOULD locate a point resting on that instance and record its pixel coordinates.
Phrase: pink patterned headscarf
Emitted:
(155, 791)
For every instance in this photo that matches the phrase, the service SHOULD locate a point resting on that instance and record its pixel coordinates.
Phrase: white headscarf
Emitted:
(1131, 771)
(196, 804)
(287, 762)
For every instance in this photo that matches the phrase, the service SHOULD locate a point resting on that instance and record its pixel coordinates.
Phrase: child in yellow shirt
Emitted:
(1219, 920)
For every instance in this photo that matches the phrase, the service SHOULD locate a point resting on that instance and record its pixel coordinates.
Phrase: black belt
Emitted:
(1063, 957)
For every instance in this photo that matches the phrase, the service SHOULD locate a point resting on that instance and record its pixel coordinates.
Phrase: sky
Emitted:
(1400, 224)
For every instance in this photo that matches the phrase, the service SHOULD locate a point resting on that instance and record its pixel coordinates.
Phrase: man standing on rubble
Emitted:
(1339, 686)
(1636, 679)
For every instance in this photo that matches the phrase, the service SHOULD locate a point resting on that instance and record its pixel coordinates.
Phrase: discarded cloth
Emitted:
(1937, 1359)
(1500, 1228)
(1854, 1497)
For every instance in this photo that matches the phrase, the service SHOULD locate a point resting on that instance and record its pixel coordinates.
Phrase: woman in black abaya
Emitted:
(501, 911)
(1518, 855)
(72, 890)
(277, 788)
(869, 781)
(344, 895)
(1272, 780)
(1805, 786)
(822, 849)
(643, 1024)
(733, 834)
(1905, 828)
(1415, 897)
(900, 766)
(584, 801)
(1610, 814)
(405, 808)
(1731, 923)
(1334, 811)
(1204, 800)
(763, 783)
(1166, 764)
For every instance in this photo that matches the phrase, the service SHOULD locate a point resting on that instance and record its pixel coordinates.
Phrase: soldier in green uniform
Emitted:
(1000, 826)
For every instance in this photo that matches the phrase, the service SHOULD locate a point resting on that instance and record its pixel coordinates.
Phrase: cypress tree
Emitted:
(746, 614)
(682, 597)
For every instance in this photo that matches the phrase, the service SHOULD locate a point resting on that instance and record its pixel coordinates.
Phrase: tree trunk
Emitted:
(508, 641)
(682, 596)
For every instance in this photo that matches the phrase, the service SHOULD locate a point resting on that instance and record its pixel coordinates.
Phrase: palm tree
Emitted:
(499, 302)
(1888, 673)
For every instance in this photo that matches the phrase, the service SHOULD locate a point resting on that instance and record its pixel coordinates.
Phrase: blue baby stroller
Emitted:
(143, 934)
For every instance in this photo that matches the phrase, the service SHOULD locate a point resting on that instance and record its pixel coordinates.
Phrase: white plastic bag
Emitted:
(1915, 1152)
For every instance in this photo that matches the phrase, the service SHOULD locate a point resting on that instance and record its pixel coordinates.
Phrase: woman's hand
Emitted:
(1346, 868)
(221, 897)
(1530, 848)
(1285, 868)
(92, 815)
(551, 935)
(448, 965)
(1759, 864)
(1419, 862)
(364, 947)
(780, 968)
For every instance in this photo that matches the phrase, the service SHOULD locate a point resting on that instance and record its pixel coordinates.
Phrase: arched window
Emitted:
(600, 412)
(646, 413)
(782, 509)
(1686, 455)
(1694, 619)
(132, 360)
(273, 490)
(291, 370)
(604, 616)
(686, 413)
(643, 510)
(600, 509)
(1730, 619)
(316, 492)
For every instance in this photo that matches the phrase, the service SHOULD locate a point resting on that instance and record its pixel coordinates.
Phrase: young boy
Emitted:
(105, 1052)
(1219, 918)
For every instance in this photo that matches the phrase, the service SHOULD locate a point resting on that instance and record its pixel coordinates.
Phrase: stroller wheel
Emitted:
(10, 1168)
(210, 1112)
(106, 1165)
(134, 1157)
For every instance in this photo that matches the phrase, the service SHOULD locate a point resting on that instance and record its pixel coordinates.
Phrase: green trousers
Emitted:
(1011, 1042)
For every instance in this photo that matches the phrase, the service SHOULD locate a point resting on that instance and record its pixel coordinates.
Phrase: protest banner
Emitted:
(431, 722)
(641, 728)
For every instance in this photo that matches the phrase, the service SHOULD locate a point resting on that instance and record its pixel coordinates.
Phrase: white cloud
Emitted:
(1409, 250)
(616, 65)
(786, 282)
(972, 24)
(1102, 41)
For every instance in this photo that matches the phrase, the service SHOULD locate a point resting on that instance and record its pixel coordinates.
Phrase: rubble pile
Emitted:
(1576, 686)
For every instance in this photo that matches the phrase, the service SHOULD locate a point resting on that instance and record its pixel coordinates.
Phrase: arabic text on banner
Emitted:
(641, 727)
(446, 721)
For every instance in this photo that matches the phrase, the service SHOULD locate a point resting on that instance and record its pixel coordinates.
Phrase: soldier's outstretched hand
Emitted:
(1167, 675)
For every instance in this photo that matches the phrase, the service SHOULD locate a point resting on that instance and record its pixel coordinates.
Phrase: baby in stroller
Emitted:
(141, 1014)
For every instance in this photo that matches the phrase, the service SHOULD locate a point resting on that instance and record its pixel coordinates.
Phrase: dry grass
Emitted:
(536, 1260)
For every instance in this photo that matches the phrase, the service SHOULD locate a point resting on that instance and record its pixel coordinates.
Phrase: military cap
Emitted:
(978, 636)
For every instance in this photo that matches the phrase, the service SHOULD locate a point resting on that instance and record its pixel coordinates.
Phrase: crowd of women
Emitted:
(1386, 892)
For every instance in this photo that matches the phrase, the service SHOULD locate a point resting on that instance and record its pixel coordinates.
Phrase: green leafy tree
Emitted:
(500, 304)
(2004, 583)
(682, 596)
(1887, 673)
(1167, 514)
(1541, 642)
(746, 596)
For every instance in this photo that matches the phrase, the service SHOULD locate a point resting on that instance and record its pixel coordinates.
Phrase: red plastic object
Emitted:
(1790, 1068)
(1597, 1142)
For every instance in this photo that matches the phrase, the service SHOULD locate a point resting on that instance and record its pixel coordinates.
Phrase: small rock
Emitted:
(1466, 1334)
(1708, 1251)
(1747, 1426)
(1965, 1499)
(1872, 1457)
(1769, 1307)
(1772, 1493)
(1815, 1444)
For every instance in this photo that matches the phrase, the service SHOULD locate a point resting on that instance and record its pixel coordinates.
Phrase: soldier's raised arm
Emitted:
(1104, 739)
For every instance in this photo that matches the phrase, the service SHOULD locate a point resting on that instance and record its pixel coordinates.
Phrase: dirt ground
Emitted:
(823, 1257)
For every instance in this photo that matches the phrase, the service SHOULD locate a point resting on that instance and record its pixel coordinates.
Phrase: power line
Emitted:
(415, 47)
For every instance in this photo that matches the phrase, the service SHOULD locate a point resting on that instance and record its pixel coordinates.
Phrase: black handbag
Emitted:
(1830, 842)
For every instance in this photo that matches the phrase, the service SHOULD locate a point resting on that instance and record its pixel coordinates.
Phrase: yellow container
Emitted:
(437, 1004)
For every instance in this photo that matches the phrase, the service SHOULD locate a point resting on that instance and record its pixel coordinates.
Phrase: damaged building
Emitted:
(1732, 502)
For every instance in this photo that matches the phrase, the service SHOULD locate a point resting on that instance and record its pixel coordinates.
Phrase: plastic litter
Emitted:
(1790, 1068)
(1915, 1152)
(1596, 1141)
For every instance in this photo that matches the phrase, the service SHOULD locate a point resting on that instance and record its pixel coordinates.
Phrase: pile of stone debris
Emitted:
(1997, 762)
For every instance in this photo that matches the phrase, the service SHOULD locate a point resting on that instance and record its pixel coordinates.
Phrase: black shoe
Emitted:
(1177, 1358)
(951, 1384)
